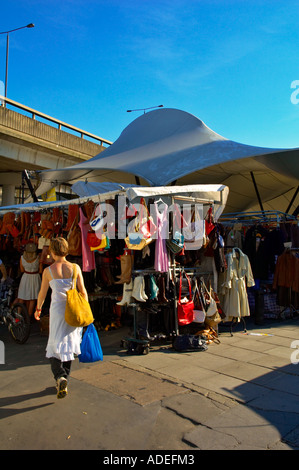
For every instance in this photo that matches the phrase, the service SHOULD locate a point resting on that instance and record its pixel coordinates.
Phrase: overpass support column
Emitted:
(8, 194)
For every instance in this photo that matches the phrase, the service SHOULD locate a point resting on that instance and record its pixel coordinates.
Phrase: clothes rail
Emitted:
(145, 271)
(195, 199)
(256, 217)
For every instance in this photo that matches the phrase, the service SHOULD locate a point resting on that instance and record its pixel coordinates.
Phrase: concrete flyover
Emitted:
(32, 140)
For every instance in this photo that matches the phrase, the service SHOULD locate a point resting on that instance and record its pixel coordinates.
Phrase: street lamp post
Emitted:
(30, 25)
(145, 109)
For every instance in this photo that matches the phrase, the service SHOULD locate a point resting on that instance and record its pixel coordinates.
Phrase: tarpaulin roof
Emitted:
(170, 146)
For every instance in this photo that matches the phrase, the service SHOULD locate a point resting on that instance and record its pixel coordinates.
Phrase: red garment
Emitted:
(287, 271)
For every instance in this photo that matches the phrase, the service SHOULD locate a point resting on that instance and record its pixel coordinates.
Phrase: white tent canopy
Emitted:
(84, 188)
(170, 146)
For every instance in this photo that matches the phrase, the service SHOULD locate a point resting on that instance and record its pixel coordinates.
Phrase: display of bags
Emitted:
(77, 310)
(185, 308)
(91, 350)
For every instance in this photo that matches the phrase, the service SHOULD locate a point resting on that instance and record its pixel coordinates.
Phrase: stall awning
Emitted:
(170, 146)
(210, 194)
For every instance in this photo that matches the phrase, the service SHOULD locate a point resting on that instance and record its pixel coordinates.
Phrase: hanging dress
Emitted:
(30, 281)
(88, 257)
(161, 253)
(64, 340)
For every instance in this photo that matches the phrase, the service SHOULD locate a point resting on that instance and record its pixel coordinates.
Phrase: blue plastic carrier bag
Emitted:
(91, 350)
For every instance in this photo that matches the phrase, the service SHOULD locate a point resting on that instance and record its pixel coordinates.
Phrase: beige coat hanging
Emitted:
(232, 285)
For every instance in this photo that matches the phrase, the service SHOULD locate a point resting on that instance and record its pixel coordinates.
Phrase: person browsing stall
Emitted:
(30, 281)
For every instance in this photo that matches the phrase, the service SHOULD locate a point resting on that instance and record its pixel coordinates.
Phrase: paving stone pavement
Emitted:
(241, 394)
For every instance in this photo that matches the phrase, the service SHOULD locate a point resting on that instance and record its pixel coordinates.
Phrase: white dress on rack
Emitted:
(30, 281)
(64, 340)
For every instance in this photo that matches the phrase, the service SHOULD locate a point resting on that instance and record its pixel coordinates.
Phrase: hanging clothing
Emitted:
(234, 239)
(30, 281)
(255, 248)
(233, 285)
(286, 279)
(287, 271)
(88, 257)
(161, 253)
(64, 340)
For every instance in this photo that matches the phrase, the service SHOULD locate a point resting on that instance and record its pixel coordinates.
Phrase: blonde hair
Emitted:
(59, 246)
(29, 256)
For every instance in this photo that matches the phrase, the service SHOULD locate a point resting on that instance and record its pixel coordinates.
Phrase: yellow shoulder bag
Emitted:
(77, 310)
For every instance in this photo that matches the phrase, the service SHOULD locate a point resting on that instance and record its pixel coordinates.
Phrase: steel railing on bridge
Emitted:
(60, 124)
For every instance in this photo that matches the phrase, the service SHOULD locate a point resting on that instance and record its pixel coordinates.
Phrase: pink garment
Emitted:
(88, 258)
(161, 253)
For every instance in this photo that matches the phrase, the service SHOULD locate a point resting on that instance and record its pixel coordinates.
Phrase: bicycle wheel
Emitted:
(19, 326)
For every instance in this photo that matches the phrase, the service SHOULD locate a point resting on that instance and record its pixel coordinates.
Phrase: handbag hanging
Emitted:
(77, 309)
(213, 320)
(103, 244)
(92, 240)
(46, 257)
(135, 239)
(91, 350)
(74, 238)
(98, 222)
(185, 308)
(209, 222)
(199, 310)
(211, 305)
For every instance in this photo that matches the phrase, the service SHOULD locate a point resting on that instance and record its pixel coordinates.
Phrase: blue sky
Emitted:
(230, 63)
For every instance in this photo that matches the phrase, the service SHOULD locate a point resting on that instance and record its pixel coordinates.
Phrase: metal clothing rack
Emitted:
(249, 218)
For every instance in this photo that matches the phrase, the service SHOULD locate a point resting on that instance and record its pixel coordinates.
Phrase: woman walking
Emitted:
(64, 340)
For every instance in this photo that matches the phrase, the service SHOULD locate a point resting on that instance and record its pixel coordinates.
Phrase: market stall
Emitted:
(115, 258)
(165, 260)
